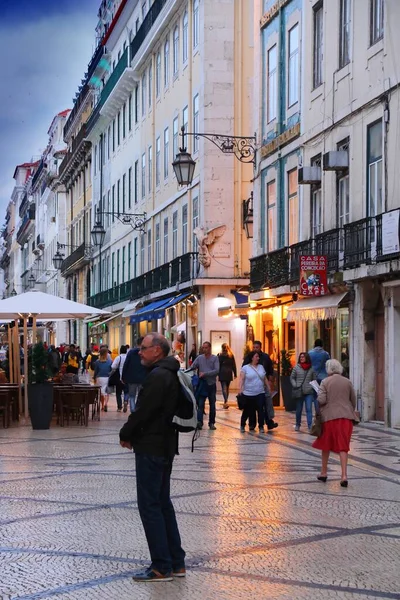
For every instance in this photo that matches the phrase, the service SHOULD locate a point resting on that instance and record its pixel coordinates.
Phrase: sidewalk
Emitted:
(255, 522)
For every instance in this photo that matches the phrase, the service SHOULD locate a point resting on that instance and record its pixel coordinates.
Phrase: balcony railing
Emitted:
(383, 250)
(23, 205)
(327, 244)
(296, 250)
(179, 270)
(37, 173)
(146, 26)
(74, 257)
(357, 242)
(270, 270)
(76, 143)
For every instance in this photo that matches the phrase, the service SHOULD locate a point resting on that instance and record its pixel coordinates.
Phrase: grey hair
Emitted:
(159, 340)
(333, 367)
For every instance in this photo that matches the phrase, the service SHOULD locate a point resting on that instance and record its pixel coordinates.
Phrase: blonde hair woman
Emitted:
(102, 370)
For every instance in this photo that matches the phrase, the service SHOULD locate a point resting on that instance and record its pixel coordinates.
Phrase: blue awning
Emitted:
(156, 309)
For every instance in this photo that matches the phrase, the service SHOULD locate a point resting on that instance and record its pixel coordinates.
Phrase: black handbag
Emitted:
(241, 401)
(115, 378)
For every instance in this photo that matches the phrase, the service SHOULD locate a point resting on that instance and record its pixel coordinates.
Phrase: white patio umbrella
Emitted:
(43, 307)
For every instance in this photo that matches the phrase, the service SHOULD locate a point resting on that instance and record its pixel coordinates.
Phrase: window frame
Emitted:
(293, 68)
(272, 84)
(344, 32)
(376, 21)
(318, 44)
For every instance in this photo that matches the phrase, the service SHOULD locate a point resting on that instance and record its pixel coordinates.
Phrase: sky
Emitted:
(45, 47)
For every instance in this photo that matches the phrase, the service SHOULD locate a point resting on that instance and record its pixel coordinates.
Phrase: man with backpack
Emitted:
(150, 434)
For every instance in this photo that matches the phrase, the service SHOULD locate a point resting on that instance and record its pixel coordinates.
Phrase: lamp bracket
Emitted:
(135, 220)
(243, 147)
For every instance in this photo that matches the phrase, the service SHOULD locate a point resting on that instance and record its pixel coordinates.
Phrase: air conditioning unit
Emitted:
(309, 175)
(336, 160)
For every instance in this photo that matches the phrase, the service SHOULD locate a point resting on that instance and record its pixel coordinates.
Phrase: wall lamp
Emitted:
(247, 216)
(98, 233)
(59, 257)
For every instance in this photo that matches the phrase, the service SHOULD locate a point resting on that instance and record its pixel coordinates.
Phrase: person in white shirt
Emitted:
(118, 363)
(253, 384)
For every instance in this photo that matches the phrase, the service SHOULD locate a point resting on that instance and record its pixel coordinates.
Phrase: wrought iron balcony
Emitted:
(79, 143)
(179, 270)
(146, 26)
(77, 259)
(296, 250)
(37, 173)
(23, 206)
(357, 242)
(383, 251)
(327, 244)
(270, 270)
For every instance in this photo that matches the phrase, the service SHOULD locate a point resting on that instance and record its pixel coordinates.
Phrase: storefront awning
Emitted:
(130, 308)
(315, 309)
(156, 310)
(179, 327)
(99, 323)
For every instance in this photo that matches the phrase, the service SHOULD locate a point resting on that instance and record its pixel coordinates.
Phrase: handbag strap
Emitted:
(262, 378)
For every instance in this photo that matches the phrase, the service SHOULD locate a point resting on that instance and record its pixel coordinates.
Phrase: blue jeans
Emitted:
(133, 392)
(212, 399)
(153, 475)
(309, 400)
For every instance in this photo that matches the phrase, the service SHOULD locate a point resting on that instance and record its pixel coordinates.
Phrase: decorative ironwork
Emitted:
(243, 147)
(296, 250)
(357, 243)
(327, 244)
(82, 253)
(270, 270)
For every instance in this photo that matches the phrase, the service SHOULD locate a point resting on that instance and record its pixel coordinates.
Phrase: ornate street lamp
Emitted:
(98, 234)
(135, 220)
(31, 281)
(13, 292)
(243, 148)
(58, 260)
(248, 216)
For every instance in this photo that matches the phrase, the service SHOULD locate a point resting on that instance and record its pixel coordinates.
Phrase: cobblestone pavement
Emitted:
(255, 521)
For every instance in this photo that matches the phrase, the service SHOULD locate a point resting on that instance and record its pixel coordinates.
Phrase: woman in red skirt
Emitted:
(337, 402)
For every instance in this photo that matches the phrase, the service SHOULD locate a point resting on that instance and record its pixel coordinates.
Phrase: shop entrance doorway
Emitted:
(380, 361)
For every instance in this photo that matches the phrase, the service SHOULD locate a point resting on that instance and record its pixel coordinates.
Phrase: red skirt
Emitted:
(335, 436)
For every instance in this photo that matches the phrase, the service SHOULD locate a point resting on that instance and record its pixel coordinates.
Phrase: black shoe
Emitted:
(272, 425)
(105, 409)
(125, 406)
(199, 425)
(212, 426)
(344, 483)
(322, 478)
(149, 575)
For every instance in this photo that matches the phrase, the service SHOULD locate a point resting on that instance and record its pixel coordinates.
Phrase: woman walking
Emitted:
(300, 378)
(102, 370)
(253, 383)
(227, 371)
(118, 363)
(337, 401)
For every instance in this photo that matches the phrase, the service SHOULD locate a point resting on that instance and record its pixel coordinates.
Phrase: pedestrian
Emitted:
(102, 370)
(337, 402)
(92, 358)
(54, 360)
(207, 365)
(71, 358)
(192, 354)
(227, 371)
(318, 357)
(149, 433)
(133, 374)
(266, 362)
(303, 392)
(253, 384)
(118, 363)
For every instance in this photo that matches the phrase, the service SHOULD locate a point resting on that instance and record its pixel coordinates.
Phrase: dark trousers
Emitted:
(153, 474)
(225, 390)
(254, 406)
(212, 399)
(120, 389)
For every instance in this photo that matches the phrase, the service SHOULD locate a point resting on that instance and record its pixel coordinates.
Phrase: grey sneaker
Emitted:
(261, 430)
(242, 429)
(297, 428)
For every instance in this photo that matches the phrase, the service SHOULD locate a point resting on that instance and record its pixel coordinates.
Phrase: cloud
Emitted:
(46, 60)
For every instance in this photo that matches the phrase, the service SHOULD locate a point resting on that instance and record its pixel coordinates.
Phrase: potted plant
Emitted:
(285, 369)
(40, 388)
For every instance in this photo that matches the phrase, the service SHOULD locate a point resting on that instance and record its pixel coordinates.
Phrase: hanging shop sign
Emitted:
(313, 275)
(390, 232)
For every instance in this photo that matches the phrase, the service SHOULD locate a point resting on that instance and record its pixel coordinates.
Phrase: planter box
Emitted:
(286, 389)
(40, 404)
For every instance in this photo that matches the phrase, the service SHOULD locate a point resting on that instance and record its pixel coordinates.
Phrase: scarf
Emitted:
(305, 366)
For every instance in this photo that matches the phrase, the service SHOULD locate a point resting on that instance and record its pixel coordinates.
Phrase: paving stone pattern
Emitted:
(254, 520)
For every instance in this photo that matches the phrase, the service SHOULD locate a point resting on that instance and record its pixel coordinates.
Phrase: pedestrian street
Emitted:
(254, 520)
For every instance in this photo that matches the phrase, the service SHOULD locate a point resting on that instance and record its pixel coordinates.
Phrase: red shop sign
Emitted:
(313, 275)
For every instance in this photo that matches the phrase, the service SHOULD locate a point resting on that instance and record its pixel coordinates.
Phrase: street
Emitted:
(255, 521)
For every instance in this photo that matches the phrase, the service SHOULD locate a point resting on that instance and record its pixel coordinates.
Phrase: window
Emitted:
(344, 201)
(166, 240)
(136, 103)
(130, 187)
(318, 45)
(137, 23)
(113, 269)
(344, 33)
(130, 259)
(175, 234)
(196, 122)
(144, 94)
(113, 135)
(109, 142)
(144, 9)
(271, 216)
(195, 221)
(185, 44)
(108, 216)
(95, 159)
(272, 83)
(157, 258)
(185, 118)
(124, 121)
(316, 212)
(374, 141)
(118, 266)
(196, 23)
(175, 137)
(130, 113)
(135, 257)
(158, 74)
(143, 175)
(293, 70)
(176, 50)
(158, 161)
(184, 229)
(118, 196)
(293, 208)
(150, 168)
(148, 249)
(142, 254)
(136, 181)
(150, 85)
(119, 128)
(113, 202)
(166, 152)
(166, 63)
(376, 21)
(123, 192)
(123, 264)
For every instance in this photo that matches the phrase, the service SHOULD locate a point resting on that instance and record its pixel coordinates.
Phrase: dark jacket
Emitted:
(149, 428)
(227, 367)
(265, 361)
(133, 370)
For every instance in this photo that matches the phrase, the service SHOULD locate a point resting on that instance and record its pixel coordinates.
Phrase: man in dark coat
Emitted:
(133, 374)
(149, 433)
